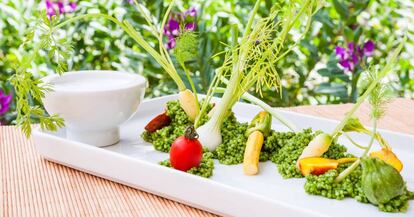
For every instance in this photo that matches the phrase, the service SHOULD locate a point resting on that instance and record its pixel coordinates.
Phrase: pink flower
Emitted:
(5, 101)
(62, 6)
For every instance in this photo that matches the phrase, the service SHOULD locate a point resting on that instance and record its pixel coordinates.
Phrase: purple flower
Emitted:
(369, 47)
(352, 55)
(62, 6)
(4, 102)
(190, 26)
(49, 9)
(341, 52)
(172, 28)
(171, 43)
(177, 23)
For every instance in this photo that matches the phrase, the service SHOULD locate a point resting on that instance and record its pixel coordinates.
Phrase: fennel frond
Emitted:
(250, 62)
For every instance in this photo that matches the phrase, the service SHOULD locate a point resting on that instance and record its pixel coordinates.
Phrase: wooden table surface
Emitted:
(32, 186)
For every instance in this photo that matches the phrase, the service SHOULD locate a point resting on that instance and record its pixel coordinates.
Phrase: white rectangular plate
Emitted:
(134, 162)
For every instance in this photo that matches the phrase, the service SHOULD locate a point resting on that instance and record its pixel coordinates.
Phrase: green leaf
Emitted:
(357, 34)
(354, 125)
(334, 89)
(349, 34)
(341, 8)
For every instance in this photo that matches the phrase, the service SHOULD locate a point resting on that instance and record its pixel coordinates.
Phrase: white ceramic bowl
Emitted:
(94, 103)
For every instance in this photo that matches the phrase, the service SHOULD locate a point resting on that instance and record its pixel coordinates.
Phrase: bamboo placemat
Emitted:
(399, 115)
(31, 186)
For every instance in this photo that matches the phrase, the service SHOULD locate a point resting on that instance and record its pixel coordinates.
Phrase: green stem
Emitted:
(347, 171)
(374, 132)
(251, 19)
(354, 88)
(187, 74)
(247, 96)
(155, 32)
(163, 51)
(226, 102)
(354, 165)
(127, 27)
(354, 143)
(382, 141)
(208, 97)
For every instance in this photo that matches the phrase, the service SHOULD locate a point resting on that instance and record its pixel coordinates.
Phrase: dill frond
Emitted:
(380, 95)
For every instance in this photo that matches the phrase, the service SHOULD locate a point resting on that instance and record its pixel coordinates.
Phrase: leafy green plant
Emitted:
(309, 75)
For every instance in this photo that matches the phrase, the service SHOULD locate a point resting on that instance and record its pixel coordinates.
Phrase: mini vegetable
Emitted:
(388, 157)
(258, 129)
(319, 165)
(380, 181)
(158, 122)
(319, 145)
(186, 151)
(188, 102)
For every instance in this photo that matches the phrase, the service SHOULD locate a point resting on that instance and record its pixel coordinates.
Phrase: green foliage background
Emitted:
(310, 74)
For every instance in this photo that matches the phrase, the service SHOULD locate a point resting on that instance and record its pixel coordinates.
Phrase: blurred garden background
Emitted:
(346, 37)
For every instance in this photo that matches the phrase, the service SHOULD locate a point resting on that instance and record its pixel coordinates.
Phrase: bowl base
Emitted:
(99, 138)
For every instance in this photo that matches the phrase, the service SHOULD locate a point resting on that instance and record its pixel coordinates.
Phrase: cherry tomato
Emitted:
(186, 152)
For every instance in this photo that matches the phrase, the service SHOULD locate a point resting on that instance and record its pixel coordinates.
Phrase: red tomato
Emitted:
(185, 153)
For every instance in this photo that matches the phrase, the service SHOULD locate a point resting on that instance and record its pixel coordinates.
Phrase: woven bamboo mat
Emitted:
(31, 186)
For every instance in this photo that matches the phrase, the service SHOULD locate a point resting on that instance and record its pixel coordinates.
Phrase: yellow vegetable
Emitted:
(189, 104)
(389, 157)
(320, 165)
(319, 145)
(252, 153)
(258, 129)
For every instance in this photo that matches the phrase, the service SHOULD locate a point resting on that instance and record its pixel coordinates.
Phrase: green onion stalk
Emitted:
(187, 98)
(273, 111)
(251, 61)
(321, 143)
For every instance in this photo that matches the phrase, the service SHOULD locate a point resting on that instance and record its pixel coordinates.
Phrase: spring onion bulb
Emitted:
(209, 135)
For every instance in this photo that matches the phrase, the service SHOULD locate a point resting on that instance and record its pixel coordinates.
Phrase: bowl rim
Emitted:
(136, 81)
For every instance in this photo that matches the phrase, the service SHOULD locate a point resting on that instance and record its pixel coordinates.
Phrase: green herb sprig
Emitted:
(27, 87)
